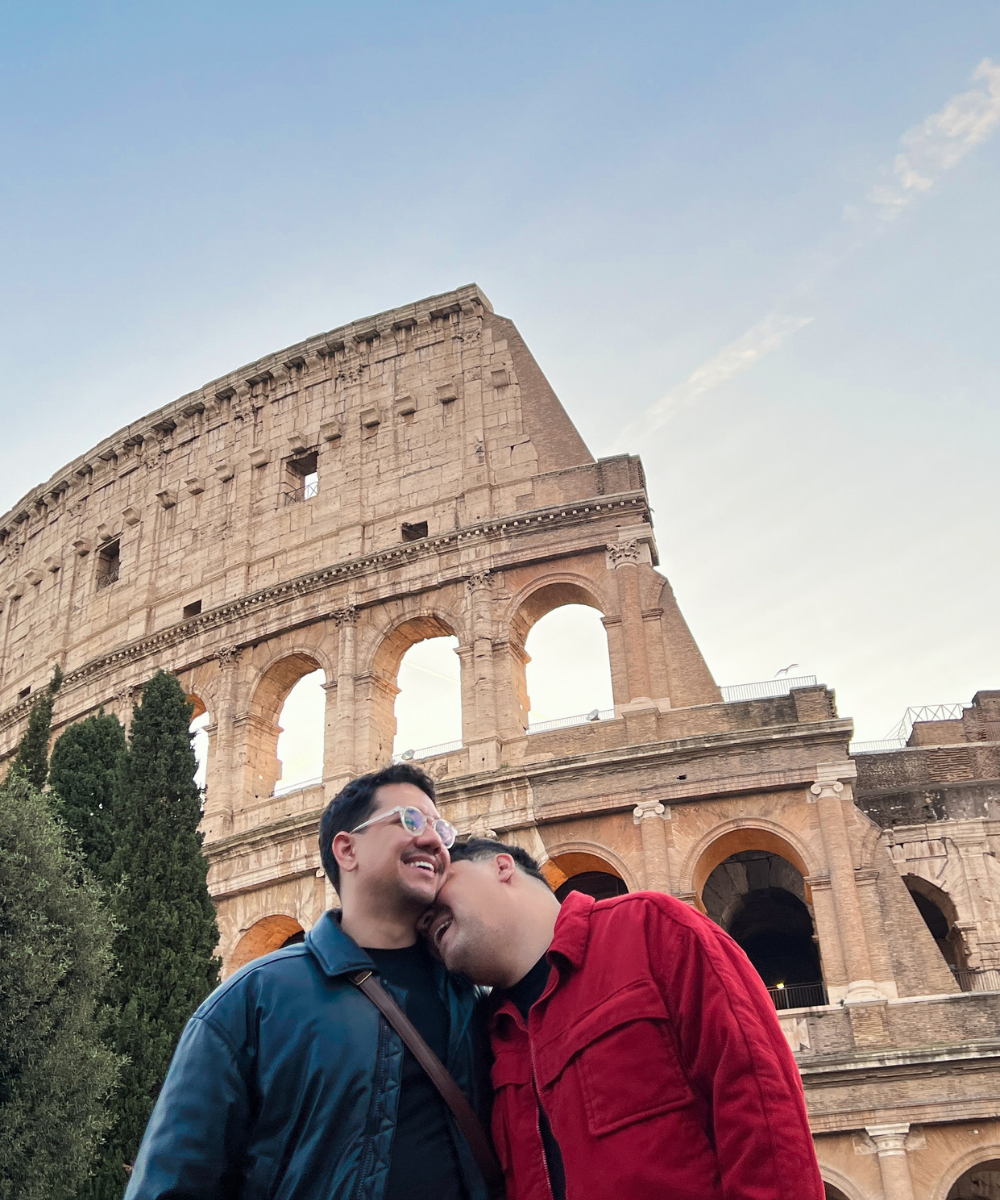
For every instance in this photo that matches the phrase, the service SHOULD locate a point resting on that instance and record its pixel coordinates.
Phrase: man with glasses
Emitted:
(287, 1083)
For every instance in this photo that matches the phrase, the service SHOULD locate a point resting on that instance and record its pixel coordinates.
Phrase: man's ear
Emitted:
(344, 851)
(505, 868)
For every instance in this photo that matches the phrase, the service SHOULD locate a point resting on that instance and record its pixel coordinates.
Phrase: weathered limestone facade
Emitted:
(413, 475)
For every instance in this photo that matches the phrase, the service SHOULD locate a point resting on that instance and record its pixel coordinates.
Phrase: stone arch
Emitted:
(869, 844)
(267, 934)
(380, 670)
(963, 1163)
(273, 681)
(537, 599)
(569, 859)
(837, 1186)
(389, 641)
(548, 592)
(940, 915)
(743, 833)
(770, 910)
(201, 738)
(280, 671)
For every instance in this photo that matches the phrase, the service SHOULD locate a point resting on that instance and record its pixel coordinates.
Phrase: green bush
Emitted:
(55, 960)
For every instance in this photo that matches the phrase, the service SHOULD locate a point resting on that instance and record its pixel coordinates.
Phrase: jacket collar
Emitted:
(572, 931)
(334, 950)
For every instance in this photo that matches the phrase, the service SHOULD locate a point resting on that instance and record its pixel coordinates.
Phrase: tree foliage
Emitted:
(55, 960)
(167, 927)
(82, 773)
(32, 759)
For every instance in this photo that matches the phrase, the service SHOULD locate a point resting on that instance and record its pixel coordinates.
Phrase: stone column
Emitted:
(509, 661)
(225, 784)
(890, 1146)
(331, 777)
(831, 796)
(479, 720)
(828, 933)
(340, 758)
(624, 559)
(649, 815)
(969, 838)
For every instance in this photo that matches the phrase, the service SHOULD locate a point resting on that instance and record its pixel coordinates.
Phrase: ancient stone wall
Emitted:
(413, 475)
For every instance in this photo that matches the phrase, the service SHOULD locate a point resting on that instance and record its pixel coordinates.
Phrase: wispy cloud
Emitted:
(939, 143)
(926, 151)
(760, 339)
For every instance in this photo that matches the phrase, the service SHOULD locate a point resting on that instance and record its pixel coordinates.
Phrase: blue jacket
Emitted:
(285, 1084)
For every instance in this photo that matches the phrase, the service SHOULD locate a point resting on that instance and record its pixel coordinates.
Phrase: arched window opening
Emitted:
(939, 914)
(602, 885)
(199, 744)
(981, 1182)
(428, 708)
(269, 933)
(583, 872)
(567, 669)
(759, 898)
(832, 1193)
(300, 741)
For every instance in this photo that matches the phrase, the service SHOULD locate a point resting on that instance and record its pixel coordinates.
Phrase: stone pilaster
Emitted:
(624, 559)
(650, 815)
(480, 725)
(890, 1146)
(340, 756)
(224, 779)
(831, 796)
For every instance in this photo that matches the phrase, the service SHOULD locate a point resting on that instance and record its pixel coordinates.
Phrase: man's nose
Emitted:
(429, 837)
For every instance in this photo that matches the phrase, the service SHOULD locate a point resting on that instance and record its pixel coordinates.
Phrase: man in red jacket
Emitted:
(637, 1053)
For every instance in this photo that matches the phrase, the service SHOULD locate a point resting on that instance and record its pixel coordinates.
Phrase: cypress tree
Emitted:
(55, 958)
(82, 773)
(32, 759)
(167, 927)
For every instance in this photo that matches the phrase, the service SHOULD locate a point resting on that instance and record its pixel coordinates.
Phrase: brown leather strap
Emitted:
(451, 1093)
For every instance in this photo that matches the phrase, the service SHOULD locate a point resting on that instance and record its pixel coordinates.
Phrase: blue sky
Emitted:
(639, 186)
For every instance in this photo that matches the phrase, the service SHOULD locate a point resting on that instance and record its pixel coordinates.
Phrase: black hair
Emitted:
(479, 849)
(355, 803)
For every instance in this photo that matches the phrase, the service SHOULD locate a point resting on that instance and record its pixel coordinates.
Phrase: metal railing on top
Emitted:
(765, 688)
(798, 995)
(595, 714)
(926, 712)
(986, 979)
(879, 747)
(282, 789)
(428, 751)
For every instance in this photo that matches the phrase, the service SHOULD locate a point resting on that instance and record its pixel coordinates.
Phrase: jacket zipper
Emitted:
(378, 1090)
(538, 1120)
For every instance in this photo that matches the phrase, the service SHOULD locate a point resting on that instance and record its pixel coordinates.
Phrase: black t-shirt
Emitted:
(524, 993)
(423, 1163)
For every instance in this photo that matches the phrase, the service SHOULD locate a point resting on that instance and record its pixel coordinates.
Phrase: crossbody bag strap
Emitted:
(437, 1072)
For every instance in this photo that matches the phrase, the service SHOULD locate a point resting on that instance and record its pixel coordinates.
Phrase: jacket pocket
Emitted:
(510, 1075)
(620, 1055)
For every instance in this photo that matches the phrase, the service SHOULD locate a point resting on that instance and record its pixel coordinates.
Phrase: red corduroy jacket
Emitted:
(657, 1056)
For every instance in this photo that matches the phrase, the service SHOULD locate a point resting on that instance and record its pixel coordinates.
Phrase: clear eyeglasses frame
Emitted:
(415, 822)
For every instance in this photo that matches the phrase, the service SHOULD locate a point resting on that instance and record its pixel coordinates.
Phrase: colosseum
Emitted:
(413, 475)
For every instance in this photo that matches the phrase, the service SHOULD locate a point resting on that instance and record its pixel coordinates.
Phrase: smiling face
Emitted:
(390, 865)
(469, 927)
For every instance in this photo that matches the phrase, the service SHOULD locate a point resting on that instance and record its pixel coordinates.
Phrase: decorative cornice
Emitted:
(317, 581)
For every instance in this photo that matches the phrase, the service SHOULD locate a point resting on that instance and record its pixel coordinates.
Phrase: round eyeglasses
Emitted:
(415, 822)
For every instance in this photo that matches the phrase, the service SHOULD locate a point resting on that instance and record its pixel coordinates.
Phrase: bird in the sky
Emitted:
(785, 670)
